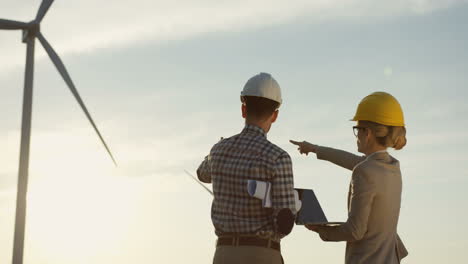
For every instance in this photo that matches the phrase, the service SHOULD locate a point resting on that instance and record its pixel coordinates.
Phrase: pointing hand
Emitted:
(305, 147)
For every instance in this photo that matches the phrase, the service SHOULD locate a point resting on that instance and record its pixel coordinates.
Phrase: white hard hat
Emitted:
(263, 85)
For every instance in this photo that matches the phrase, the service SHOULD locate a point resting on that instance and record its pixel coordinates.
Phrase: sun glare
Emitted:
(77, 212)
(78, 219)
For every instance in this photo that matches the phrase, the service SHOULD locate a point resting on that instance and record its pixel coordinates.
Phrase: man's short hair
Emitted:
(259, 107)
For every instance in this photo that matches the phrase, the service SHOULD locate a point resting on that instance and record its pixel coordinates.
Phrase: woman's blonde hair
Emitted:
(387, 136)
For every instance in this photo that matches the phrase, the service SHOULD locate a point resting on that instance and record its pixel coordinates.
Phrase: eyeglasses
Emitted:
(356, 129)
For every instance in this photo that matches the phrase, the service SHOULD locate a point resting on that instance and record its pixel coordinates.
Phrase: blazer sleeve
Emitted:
(363, 191)
(339, 157)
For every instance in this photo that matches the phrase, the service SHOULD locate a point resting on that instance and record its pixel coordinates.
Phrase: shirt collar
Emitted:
(375, 153)
(254, 130)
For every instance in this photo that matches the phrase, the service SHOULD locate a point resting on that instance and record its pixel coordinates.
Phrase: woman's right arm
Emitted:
(339, 157)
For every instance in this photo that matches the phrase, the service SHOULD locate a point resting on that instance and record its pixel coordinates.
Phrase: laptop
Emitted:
(311, 212)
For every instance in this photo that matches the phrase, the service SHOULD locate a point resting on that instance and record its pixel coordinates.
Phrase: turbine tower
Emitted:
(31, 31)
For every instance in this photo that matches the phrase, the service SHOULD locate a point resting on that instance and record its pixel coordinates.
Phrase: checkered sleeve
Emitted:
(282, 194)
(204, 170)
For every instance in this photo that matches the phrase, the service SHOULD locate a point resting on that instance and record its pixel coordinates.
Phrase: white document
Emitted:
(262, 191)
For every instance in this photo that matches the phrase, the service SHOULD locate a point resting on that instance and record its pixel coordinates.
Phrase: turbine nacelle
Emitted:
(31, 30)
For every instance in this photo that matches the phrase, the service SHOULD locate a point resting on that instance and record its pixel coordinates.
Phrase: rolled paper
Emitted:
(260, 190)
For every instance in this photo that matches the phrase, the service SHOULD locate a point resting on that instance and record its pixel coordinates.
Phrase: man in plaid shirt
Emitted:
(248, 232)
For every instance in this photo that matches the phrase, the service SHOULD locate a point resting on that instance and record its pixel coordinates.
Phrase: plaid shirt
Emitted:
(233, 161)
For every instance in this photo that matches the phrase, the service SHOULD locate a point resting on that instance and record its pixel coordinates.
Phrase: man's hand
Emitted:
(305, 147)
(285, 221)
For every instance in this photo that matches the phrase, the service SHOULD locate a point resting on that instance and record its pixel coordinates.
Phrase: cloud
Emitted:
(86, 26)
(440, 139)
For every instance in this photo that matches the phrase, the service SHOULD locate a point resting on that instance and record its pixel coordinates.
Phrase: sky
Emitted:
(162, 80)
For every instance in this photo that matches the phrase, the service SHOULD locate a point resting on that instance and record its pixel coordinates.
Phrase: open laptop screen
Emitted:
(311, 212)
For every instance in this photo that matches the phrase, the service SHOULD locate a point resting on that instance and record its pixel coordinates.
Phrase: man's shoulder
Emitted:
(277, 151)
(224, 142)
(266, 147)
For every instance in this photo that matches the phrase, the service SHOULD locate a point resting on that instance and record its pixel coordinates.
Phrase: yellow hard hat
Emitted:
(382, 108)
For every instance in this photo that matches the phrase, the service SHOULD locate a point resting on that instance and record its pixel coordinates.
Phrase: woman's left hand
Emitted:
(312, 228)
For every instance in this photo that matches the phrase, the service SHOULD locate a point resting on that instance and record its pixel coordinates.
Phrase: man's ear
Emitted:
(244, 110)
(274, 116)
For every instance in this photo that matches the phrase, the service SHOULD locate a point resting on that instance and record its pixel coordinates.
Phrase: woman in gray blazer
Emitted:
(374, 196)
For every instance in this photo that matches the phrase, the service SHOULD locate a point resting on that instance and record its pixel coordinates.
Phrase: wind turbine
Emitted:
(31, 31)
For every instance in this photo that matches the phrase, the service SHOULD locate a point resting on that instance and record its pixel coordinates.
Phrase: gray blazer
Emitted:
(374, 200)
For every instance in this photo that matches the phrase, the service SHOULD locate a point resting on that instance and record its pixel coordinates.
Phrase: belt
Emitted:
(248, 241)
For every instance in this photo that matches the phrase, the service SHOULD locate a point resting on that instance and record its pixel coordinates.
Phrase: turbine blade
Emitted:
(45, 5)
(193, 177)
(66, 77)
(11, 24)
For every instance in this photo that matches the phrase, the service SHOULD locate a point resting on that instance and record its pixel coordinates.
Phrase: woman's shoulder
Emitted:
(371, 167)
(365, 173)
